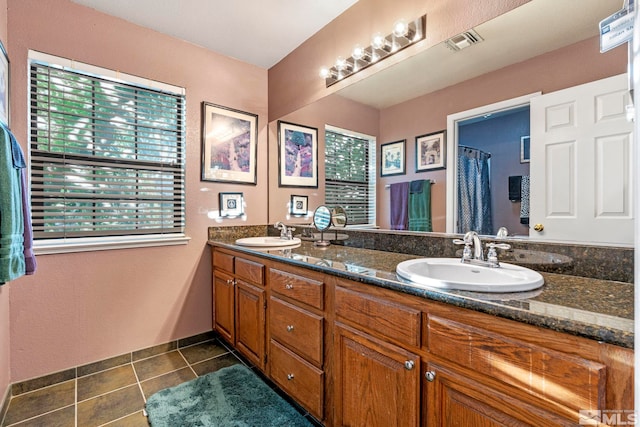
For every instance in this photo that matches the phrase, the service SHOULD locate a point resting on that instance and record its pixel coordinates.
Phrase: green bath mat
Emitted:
(232, 396)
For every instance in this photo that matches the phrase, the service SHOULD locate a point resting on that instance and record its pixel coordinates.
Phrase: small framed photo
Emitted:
(231, 204)
(4, 86)
(297, 155)
(525, 149)
(392, 158)
(299, 205)
(430, 151)
(229, 145)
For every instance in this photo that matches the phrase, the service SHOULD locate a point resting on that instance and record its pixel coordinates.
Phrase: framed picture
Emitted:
(430, 151)
(4, 86)
(231, 204)
(229, 145)
(297, 155)
(525, 149)
(392, 158)
(299, 205)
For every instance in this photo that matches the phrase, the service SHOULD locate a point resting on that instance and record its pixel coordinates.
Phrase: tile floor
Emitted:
(112, 393)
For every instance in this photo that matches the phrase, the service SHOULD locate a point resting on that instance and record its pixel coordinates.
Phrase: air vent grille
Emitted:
(463, 40)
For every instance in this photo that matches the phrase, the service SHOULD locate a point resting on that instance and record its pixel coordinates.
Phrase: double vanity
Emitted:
(342, 332)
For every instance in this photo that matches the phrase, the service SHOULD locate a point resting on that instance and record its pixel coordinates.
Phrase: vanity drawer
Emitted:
(223, 261)
(391, 319)
(250, 271)
(572, 381)
(303, 381)
(303, 289)
(297, 329)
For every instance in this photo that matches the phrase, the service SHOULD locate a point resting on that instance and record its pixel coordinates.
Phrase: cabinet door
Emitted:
(453, 399)
(377, 384)
(223, 303)
(250, 322)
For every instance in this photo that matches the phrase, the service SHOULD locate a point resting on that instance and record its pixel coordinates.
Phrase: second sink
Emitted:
(450, 273)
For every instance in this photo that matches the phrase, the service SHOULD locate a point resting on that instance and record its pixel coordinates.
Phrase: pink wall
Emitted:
(84, 307)
(5, 289)
(294, 81)
(332, 110)
(546, 73)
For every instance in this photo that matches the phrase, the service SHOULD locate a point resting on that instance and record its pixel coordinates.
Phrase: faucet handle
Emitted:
(504, 246)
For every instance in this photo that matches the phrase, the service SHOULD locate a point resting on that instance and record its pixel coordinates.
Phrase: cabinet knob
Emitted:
(230, 281)
(409, 364)
(430, 375)
(289, 377)
(288, 286)
(289, 328)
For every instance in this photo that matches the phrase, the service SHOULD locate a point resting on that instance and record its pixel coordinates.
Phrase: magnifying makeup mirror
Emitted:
(322, 222)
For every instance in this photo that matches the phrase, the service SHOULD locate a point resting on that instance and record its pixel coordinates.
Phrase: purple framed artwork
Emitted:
(297, 155)
(229, 145)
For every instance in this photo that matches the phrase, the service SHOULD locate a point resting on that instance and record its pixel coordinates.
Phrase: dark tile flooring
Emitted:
(113, 394)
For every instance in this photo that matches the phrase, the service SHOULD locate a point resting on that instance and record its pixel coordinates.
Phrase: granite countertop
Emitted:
(597, 309)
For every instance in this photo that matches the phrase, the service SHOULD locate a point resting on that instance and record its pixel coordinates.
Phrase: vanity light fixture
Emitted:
(404, 34)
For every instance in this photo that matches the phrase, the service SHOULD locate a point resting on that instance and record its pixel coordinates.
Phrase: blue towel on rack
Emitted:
(12, 263)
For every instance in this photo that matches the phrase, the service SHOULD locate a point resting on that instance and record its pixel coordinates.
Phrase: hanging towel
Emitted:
(12, 263)
(524, 203)
(515, 188)
(420, 206)
(27, 234)
(399, 199)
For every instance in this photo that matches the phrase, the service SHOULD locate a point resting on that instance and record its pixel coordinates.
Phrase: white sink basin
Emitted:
(451, 273)
(267, 241)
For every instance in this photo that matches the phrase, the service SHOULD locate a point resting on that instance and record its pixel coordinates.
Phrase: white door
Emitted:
(581, 160)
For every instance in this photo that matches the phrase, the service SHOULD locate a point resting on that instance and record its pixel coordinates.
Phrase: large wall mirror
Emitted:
(533, 48)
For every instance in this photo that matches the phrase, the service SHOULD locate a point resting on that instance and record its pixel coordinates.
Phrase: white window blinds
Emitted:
(350, 176)
(107, 157)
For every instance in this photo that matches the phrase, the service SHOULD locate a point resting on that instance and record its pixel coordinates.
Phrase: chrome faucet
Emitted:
(476, 257)
(286, 233)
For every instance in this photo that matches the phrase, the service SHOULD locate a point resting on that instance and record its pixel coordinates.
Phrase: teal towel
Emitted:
(420, 207)
(12, 264)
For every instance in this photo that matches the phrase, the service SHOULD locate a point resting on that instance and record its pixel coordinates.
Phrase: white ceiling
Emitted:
(262, 32)
(259, 32)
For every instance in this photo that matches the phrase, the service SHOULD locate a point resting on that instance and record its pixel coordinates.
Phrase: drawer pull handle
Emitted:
(289, 328)
(430, 376)
(409, 364)
(289, 377)
(288, 286)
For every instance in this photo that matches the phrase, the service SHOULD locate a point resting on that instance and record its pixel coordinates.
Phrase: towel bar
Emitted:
(388, 186)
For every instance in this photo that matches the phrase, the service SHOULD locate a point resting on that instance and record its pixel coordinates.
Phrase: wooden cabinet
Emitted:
(376, 383)
(355, 355)
(452, 398)
(239, 304)
(296, 329)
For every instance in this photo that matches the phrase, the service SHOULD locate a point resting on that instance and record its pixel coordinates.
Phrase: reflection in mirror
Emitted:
(322, 222)
(404, 101)
(339, 217)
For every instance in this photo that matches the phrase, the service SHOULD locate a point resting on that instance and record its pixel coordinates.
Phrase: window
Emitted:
(350, 178)
(107, 155)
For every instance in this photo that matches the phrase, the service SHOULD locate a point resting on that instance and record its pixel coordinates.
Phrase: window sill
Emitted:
(90, 244)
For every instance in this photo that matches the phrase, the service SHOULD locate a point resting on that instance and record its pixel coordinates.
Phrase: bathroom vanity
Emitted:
(340, 333)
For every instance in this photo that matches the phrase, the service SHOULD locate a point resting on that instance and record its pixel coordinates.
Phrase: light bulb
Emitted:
(378, 41)
(400, 28)
(324, 72)
(341, 63)
(358, 52)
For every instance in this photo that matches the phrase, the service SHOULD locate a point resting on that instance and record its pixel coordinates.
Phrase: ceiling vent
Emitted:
(463, 40)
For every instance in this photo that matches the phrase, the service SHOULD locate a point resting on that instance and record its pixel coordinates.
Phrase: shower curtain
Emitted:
(474, 193)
